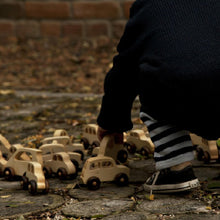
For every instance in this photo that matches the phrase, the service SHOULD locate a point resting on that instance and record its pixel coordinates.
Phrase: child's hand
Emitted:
(103, 132)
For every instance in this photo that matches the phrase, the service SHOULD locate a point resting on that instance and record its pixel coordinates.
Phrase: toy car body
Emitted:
(95, 151)
(109, 147)
(137, 141)
(17, 166)
(61, 165)
(60, 132)
(34, 179)
(49, 149)
(89, 136)
(207, 150)
(68, 145)
(103, 169)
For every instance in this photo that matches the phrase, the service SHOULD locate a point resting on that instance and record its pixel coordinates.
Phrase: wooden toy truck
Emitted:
(89, 136)
(207, 151)
(48, 150)
(103, 169)
(137, 141)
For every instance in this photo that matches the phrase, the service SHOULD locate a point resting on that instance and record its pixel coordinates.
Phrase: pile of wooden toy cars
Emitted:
(101, 162)
(59, 156)
(56, 156)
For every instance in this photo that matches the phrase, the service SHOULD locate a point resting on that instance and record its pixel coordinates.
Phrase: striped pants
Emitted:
(173, 146)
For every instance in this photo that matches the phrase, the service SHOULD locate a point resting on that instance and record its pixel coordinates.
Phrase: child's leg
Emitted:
(173, 153)
(172, 145)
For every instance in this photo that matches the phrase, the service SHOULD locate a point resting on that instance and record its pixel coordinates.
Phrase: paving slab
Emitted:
(196, 217)
(130, 216)
(14, 203)
(170, 205)
(107, 191)
(97, 208)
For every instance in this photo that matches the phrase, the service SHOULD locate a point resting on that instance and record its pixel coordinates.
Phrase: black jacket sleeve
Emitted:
(121, 82)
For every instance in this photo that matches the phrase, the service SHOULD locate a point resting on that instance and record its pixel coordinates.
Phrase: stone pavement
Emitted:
(25, 113)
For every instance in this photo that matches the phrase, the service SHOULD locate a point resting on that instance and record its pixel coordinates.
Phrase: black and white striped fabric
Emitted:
(173, 146)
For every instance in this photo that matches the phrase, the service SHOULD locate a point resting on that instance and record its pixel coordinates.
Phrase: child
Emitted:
(169, 56)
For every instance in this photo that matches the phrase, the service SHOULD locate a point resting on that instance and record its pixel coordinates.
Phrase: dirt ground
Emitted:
(56, 64)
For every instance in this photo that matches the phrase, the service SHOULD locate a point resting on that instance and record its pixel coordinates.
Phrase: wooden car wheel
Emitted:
(81, 153)
(62, 173)
(46, 190)
(122, 156)
(9, 173)
(85, 143)
(200, 153)
(47, 172)
(121, 179)
(144, 152)
(93, 183)
(24, 182)
(32, 187)
(206, 157)
(76, 164)
(95, 144)
(74, 175)
(131, 148)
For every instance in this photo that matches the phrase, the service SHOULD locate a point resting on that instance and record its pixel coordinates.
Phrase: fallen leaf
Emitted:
(6, 196)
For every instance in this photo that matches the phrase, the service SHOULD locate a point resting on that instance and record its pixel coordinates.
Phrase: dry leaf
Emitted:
(6, 196)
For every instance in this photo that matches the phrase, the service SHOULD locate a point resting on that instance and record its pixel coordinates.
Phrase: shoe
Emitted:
(166, 181)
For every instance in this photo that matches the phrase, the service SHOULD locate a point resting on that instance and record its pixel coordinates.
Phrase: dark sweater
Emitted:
(169, 55)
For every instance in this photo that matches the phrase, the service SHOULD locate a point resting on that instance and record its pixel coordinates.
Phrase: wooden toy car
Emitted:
(68, 145)
(49, 149)
(137, 141)
(103, 169)
(34, 179)
(207, 151)
(68, 142)
(89, 136)
(60, 132)
(61, 165)
(109, 147)
(17, 166)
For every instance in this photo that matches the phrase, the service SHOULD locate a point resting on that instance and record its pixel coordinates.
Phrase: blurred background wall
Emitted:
(77, 19)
